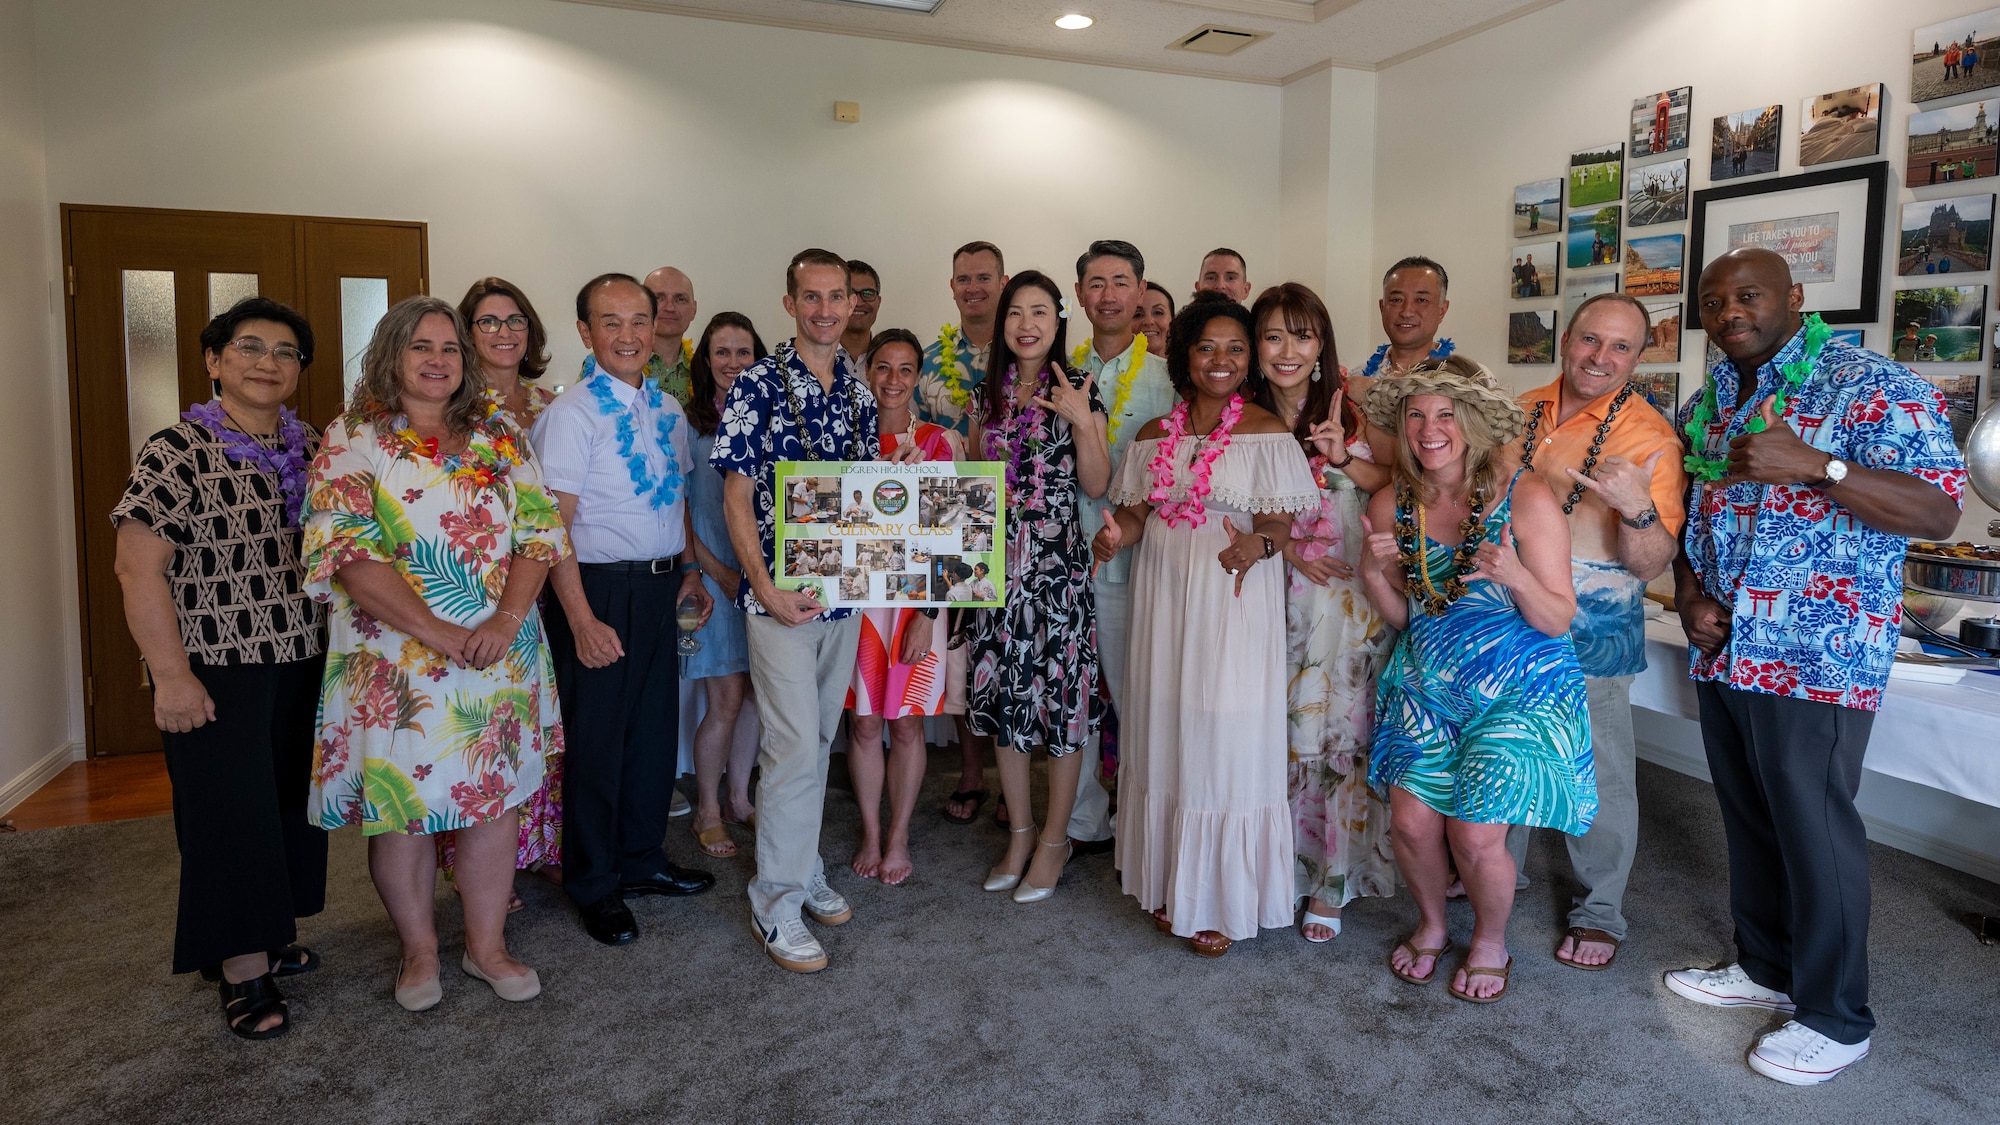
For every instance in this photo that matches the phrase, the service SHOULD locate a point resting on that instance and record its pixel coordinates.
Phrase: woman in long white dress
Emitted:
(1207, 492)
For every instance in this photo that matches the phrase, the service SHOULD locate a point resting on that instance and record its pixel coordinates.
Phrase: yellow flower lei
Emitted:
(687, 351)
(1121, 390)
(948, 366)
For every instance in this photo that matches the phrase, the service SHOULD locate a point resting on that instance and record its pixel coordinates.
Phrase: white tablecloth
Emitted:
(1946, 736)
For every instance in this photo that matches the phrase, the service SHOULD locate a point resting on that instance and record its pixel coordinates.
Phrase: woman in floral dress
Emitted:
(429, 536)
(1335, 642)
(1034, 661)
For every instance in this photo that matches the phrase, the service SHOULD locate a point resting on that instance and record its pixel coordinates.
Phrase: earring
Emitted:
(1315, 375)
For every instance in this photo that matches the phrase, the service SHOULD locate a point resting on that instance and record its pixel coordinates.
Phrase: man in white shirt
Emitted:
(614, 451)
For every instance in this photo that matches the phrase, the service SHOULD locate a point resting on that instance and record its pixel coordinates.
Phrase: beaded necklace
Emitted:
(1444, 348)
(287, 462)
(796, 405)
(662, 491)
(1596, 442)
(1121, 390)
(1192, 511)
(1703, 467)
(1413, 538)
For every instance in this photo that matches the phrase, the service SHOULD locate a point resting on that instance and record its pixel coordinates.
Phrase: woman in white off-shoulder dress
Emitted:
(1205, 827)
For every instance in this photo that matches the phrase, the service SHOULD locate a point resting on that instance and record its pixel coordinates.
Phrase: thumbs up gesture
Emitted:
(1244, 550)
(1499, 563)
(1107, 542)
(1775, 455)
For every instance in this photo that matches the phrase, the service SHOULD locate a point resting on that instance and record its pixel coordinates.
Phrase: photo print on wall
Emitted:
(1657, 193)
(1662, 389)
(1653, 265)
(1663, 338)
(1955, 56)
(1538, 208)
(1535, 269)
(1746, 143)
(1945, 236)
(1593, 237)
(1660, 122)
(1531, 336)
(1957, 143)
(1581, 287)
(1939, 325)
(1843, 125)
(1596, 175)
(1961, 401)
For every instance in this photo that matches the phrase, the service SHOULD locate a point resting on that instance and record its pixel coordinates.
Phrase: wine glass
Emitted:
(688, 617)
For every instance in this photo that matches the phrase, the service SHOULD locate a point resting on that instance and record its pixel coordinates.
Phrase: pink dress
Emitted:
(884, 685)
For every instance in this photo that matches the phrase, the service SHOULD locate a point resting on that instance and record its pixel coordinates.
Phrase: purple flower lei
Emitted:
(1013, 434)
(287, 464)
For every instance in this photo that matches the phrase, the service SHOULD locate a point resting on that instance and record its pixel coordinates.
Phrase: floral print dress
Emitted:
(1335, 645)
(1034, 660)
(407, 742)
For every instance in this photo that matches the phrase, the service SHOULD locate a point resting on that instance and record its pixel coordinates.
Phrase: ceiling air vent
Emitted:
(1214, 39)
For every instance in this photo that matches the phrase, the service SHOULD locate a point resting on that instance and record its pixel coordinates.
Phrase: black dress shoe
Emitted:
(670, 880)
(610, 921)
(1092, 847)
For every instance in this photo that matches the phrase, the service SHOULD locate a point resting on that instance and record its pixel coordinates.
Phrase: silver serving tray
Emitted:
(1975, 580)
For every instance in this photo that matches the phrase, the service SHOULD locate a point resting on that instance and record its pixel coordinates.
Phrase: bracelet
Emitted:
(517, 617)
(1270, 546)
(1341, 464)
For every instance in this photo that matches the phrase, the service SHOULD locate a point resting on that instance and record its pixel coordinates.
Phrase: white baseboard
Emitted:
(38, 775)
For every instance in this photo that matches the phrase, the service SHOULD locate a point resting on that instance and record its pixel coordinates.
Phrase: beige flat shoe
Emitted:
(506, 988)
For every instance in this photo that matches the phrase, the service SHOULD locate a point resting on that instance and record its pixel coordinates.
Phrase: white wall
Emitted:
(1461, 126)
(37, 565)
(1327, 178)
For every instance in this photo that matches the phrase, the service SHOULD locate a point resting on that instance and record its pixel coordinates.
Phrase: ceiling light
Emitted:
(1074, 22)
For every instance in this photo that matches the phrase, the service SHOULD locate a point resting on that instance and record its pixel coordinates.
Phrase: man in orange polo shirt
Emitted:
(1616, 465)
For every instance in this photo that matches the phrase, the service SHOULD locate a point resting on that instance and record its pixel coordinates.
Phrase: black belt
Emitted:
(643, 566)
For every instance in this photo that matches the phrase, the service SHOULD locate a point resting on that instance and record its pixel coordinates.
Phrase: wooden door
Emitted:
(141, 285)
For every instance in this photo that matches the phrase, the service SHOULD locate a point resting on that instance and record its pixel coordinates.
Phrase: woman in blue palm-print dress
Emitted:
(1480, 718)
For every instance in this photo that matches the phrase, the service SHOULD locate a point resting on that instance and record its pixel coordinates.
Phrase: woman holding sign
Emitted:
(1208, 493)
(1034, 661)
(903, 667)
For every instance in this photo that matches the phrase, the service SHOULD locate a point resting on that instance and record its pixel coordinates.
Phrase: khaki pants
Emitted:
(801, 675)
(1602, 857)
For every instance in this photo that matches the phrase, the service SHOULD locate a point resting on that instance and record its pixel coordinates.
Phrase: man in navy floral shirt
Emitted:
(1828, 457)
(805, 402)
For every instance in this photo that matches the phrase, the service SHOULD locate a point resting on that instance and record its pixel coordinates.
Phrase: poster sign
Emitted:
(865, 534)
(1808, 243)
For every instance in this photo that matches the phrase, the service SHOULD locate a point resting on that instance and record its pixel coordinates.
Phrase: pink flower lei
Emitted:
(1193, 511)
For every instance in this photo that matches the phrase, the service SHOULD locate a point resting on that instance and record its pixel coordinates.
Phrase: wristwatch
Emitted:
(1643, 520)
(1836, 471)
(929, 611)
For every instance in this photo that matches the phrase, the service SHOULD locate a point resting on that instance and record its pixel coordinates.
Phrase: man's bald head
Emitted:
(677, 307)
(1749, 305)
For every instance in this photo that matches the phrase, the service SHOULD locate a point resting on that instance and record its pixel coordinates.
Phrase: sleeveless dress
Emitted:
(1480, 715)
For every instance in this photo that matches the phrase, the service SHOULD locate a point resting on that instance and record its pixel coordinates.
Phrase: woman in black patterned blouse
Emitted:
(208, 556)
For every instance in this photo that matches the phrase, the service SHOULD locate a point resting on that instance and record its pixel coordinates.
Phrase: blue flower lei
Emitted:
(1444, 348)
(661, 493)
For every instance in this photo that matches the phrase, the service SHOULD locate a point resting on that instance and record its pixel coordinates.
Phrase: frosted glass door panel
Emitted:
(225, 289)
(152, 373)
(363, 303)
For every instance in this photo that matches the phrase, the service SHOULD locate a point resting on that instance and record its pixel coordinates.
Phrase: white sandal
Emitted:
(1308, 918)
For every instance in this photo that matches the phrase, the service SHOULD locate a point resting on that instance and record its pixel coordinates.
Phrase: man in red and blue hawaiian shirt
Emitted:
(1828, 457)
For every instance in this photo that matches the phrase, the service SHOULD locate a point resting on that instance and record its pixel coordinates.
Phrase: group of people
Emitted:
(1350, 626)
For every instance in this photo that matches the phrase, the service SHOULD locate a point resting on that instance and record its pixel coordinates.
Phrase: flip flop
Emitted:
(715, 841)
(1581, 934)
(1474, 971)
(976, 796)
(1437, 955)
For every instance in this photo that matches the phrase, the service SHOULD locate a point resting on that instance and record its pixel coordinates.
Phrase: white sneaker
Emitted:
(678, 806)
(790, 944)
(825, 904)
(1727, 986)
(1798, 1055)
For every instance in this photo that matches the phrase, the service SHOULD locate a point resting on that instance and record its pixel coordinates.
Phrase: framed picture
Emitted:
(1843, 125)
(1581, 287)
(1653, 265)
(1593, 237)
(1662, 389)
(1660, 122)
(1952, 57)
(872, 533)
(1535, 269)
(1538, 208)
(1961, 401)
(1596, 175)
(1531, 336)
(1949, 145)
(1746, 143)
(1946, 236)
(1854, 337)
(1663, 340)
(1657, 193)
(1829, 224)
(1946, 324)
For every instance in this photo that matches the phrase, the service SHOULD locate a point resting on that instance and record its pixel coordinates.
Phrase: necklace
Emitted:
(1596, 442)
(286, 461)
(1414, 539)
(948, 369)
(1121, 390)
(1192, 511)
(1703, 467)
(1016, 432)
(662, 491)
(824, 442)
(1444, 348)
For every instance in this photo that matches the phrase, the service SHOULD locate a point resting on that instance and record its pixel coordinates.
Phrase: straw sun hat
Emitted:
(1455, 377)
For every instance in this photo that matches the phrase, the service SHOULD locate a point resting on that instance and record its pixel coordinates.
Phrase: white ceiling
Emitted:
(1305, 34)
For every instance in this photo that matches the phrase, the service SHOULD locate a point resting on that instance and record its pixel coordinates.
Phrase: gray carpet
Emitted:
(947, 1003)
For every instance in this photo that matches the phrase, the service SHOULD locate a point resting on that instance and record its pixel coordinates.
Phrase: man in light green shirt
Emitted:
(1110, 280)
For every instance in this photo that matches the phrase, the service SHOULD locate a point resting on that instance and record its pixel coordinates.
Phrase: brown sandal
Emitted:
(1209, 943)
(1161, 923)
(1472, 971)
(1577, 935)
(1436, 955)
(715, 841)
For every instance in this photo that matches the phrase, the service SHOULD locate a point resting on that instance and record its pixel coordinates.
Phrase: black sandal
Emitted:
(287, 962)
(245, 1005)
(976, 796)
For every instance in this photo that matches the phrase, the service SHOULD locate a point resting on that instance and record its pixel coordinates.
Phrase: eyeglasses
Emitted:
(492, 324)
(867, 294)
(253, 349)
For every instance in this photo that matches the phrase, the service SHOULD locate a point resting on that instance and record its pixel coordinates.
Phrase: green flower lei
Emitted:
(1702, 467)
(948, 366)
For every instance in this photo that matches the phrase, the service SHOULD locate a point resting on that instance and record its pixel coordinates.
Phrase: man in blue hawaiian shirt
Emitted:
(955, 363)
(1814, 461)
